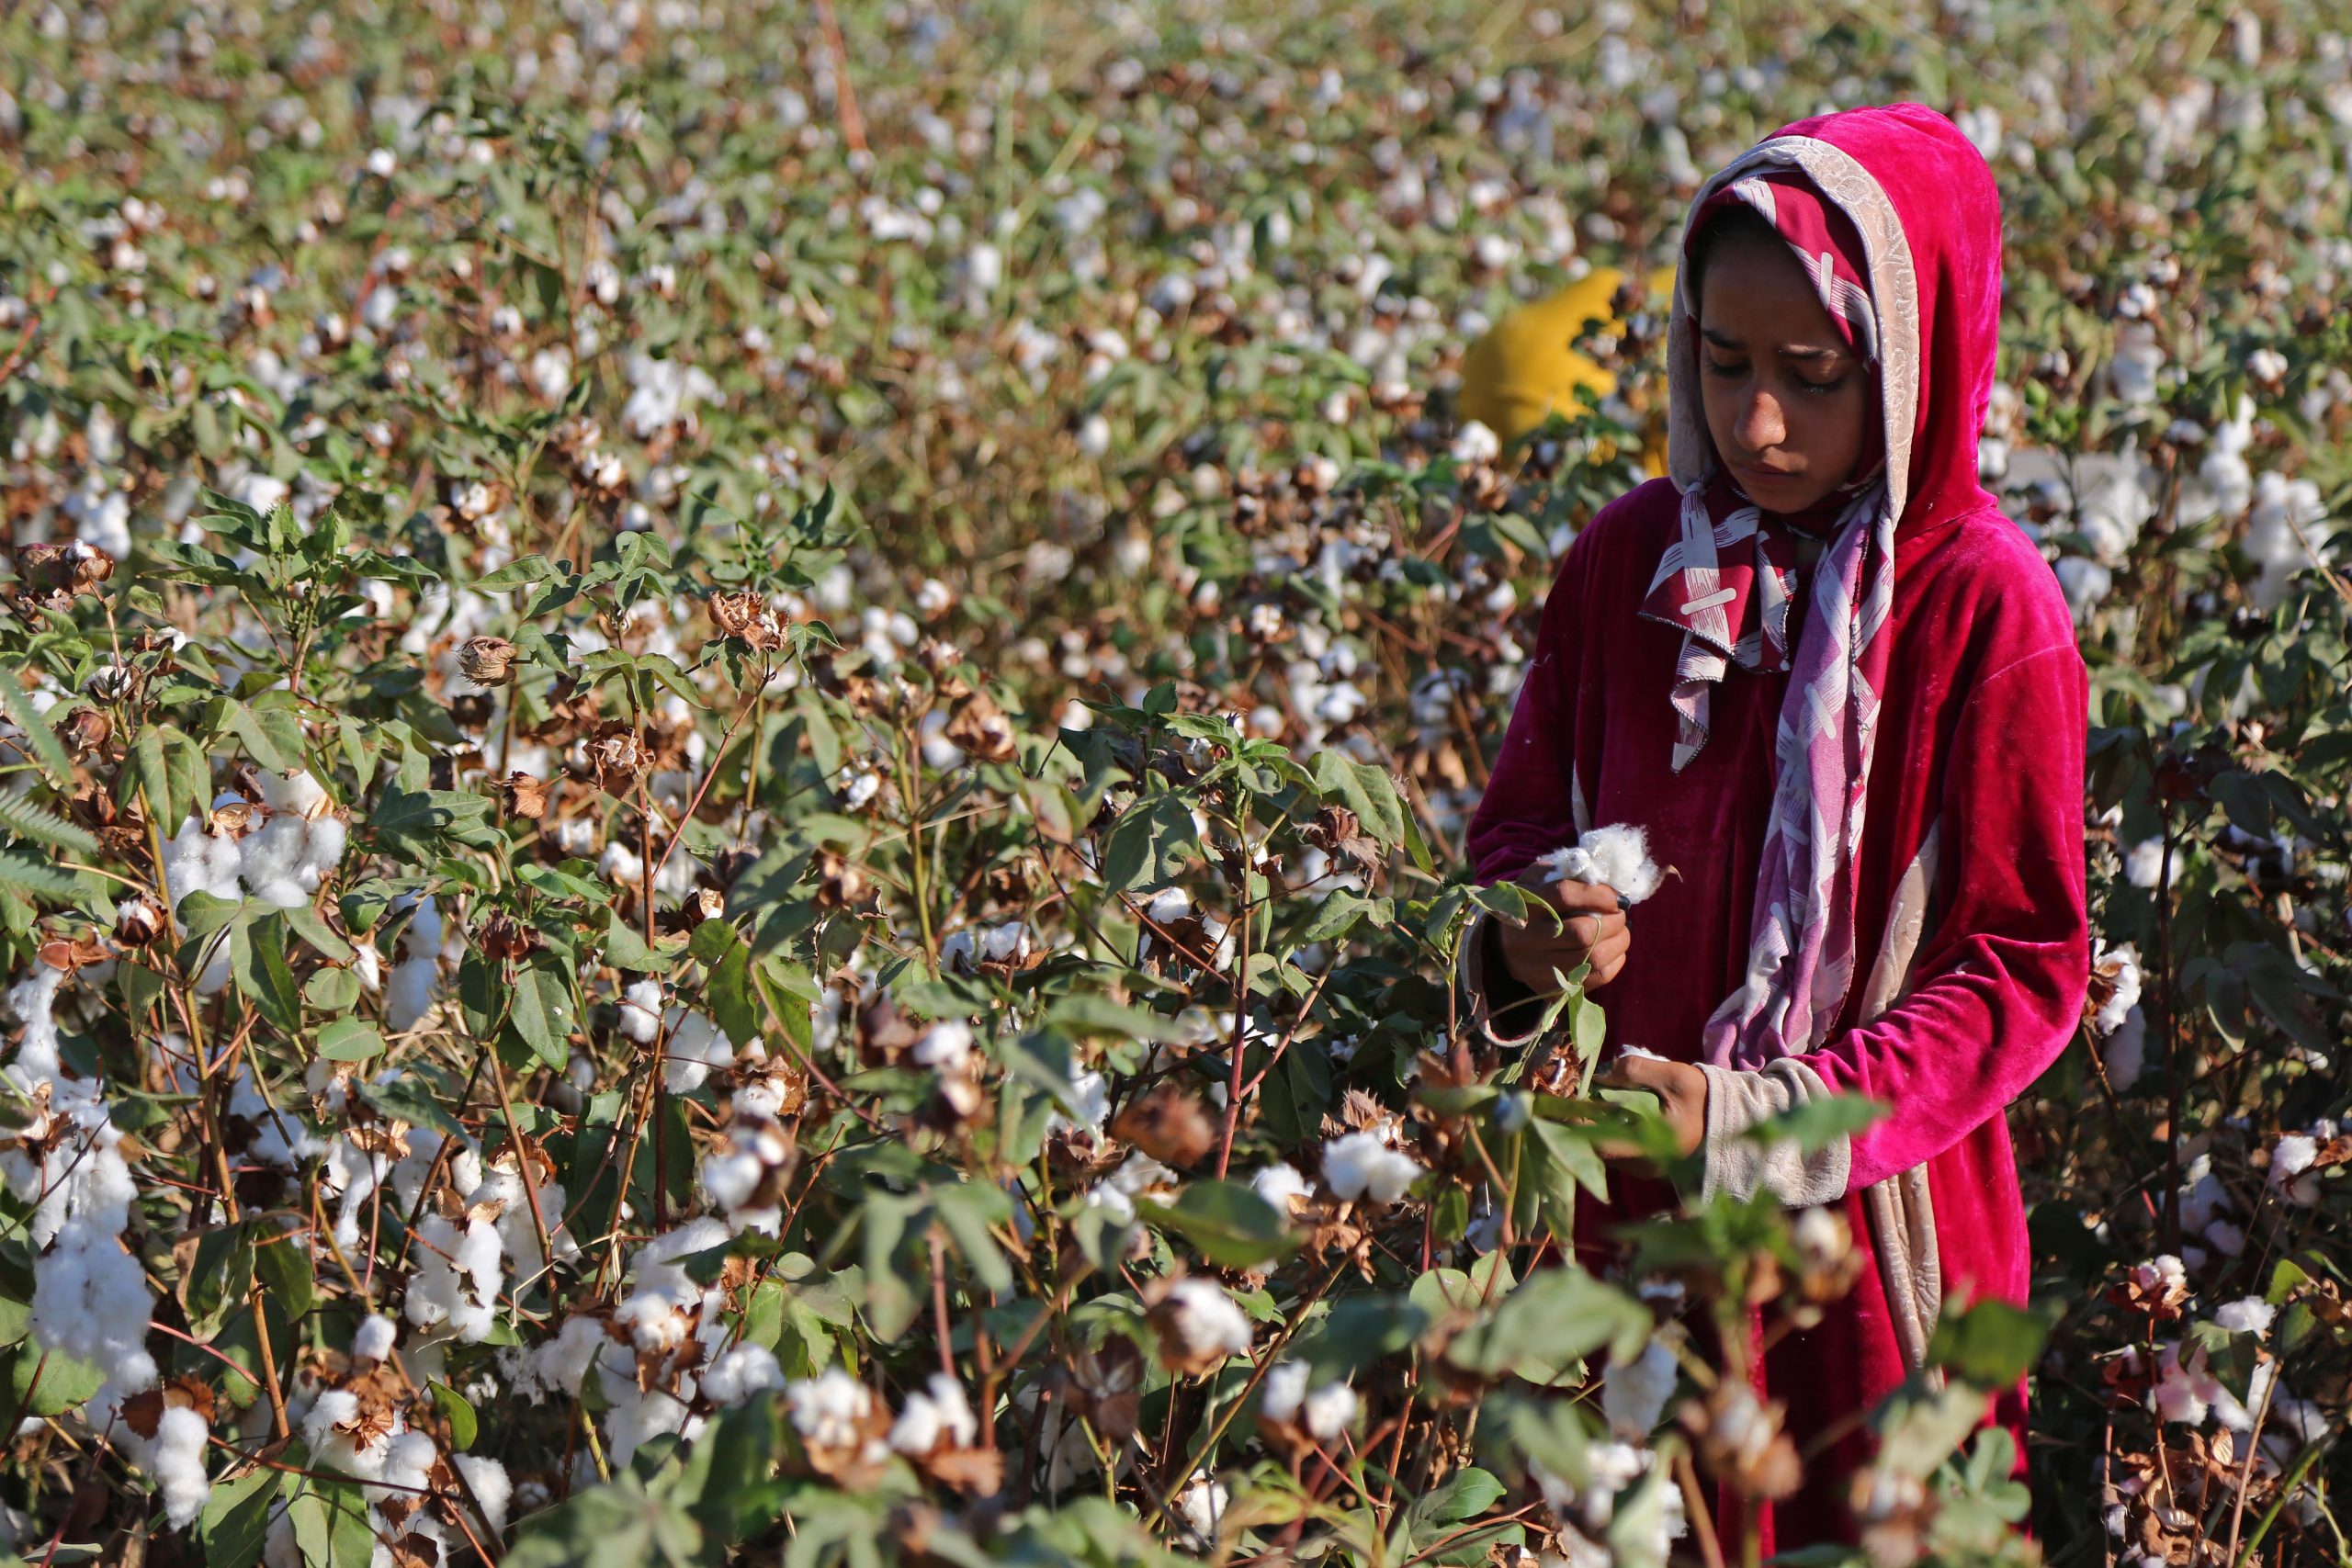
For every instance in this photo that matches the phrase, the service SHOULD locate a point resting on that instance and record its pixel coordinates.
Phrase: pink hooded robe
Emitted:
(1969, 932)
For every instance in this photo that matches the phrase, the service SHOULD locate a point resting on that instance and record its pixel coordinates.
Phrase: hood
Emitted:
(1929, 216)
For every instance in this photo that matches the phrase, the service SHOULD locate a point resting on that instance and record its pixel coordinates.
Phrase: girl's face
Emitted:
(1785, 397)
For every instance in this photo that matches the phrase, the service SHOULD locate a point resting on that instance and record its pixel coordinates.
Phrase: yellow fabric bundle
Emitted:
(1525, 368)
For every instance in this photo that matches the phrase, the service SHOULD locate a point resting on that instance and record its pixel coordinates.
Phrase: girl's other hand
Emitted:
(1589, 928)
(1681, 1091)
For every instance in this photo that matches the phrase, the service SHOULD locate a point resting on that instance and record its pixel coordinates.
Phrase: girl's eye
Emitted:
(1719, 368)
(1825, 387)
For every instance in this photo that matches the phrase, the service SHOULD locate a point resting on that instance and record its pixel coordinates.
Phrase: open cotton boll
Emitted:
(1361, 1165)
(176, 1458)
(642, 1011)
(1617, 856)
(408, 995)
(939, 1412)
(458, 1277)
(695, 1046)
(1634, 1392)
(373, 1340)
(741, 1371)
(1281, 1185)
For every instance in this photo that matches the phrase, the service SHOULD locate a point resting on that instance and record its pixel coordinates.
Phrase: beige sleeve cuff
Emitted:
(1740, 1166)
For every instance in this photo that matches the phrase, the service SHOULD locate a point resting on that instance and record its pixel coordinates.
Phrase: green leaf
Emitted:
(28, 819)
(48, 751)
(37, 877)
(617, 1526)
(1363, 789)
(330, 1520)
(65, 1382)
(350, 1039)
(1813, 1125)
(220, 1280)
(1226, 1222)
(414, 824)
(1989, 1343)
(542, 1014)
(623, 949)
(331, 991)
(287, 1272)
(257, 959)
(1548, 1325)
(1149, 845)
(463, 1424)
(404, 1098)
(967, 1210)
(1087, 1013)
(235, 1521)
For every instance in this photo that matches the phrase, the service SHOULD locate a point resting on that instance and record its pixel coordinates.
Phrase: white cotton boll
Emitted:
(2291, 1169)
(1473, 443)
(176, 1458)
(695, 1046)
(2085, 584)
(422, 937)
(1281, 1185)
(457, 1279)
(2144, 867)
(740, 1373)
(1204, 1320)
(408, 995)
(487, 1479)
(2126, 1051)
(297, 794)
(1361, 1165)
(1170, 903)
(828, 1409)
(621, 866)
(2278, 533)
(1330, 1411)
(2248, 1315)
(373, 1340)
(368, 966)
(272, 855)
(642, 1011)
(2133, 375)
(1282, 1392)
(939, 1412)
(1201, 1505)
(1633, 1393)
(946, 1047)
(1090, 1093)
(322, 848)
(1616, 857)
(561, 1364)
(2119, 968)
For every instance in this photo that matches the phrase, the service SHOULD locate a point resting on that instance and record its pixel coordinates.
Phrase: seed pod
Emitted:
(486, 660)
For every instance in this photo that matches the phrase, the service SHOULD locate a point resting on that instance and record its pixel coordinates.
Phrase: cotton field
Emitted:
(735, 749)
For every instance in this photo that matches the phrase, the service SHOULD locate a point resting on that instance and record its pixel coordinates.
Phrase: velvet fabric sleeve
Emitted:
(1530, 806)
(1998, 990)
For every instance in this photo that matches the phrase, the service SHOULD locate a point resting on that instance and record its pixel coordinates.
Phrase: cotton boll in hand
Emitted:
(1617, 856)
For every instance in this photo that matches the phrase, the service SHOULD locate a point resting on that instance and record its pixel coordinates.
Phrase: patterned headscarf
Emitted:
(1730, 582)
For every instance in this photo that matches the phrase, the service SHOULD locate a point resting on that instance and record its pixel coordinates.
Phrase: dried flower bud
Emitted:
(526, 796)
(1168, 1125)
(486, 660)
(503, 937)
(618, 756)
(749, 618)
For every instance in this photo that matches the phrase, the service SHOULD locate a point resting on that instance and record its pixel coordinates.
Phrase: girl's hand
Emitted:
(1591, 927)
(1681, 1091)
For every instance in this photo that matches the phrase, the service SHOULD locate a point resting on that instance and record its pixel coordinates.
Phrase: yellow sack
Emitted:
(1524, 368)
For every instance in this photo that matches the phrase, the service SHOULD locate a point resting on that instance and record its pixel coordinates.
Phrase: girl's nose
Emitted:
(1760, 426)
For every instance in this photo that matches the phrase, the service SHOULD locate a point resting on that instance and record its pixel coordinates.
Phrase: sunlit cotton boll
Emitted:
(740, 1373)
(2292, 1158)
(2125, 1052)
(1204, 1320)
(1361, 1165)
(696, 1045)
(1633, 1393)
(1616, 856)
(176, 1458)
(2118, 970)
(938, 1413)
(642, 1011)
(1200, 1508)
(1281, 1185)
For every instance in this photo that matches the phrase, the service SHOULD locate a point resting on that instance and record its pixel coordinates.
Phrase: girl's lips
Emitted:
(1748, 470)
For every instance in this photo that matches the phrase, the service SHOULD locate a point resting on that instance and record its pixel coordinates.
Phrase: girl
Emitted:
(1840, 691)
